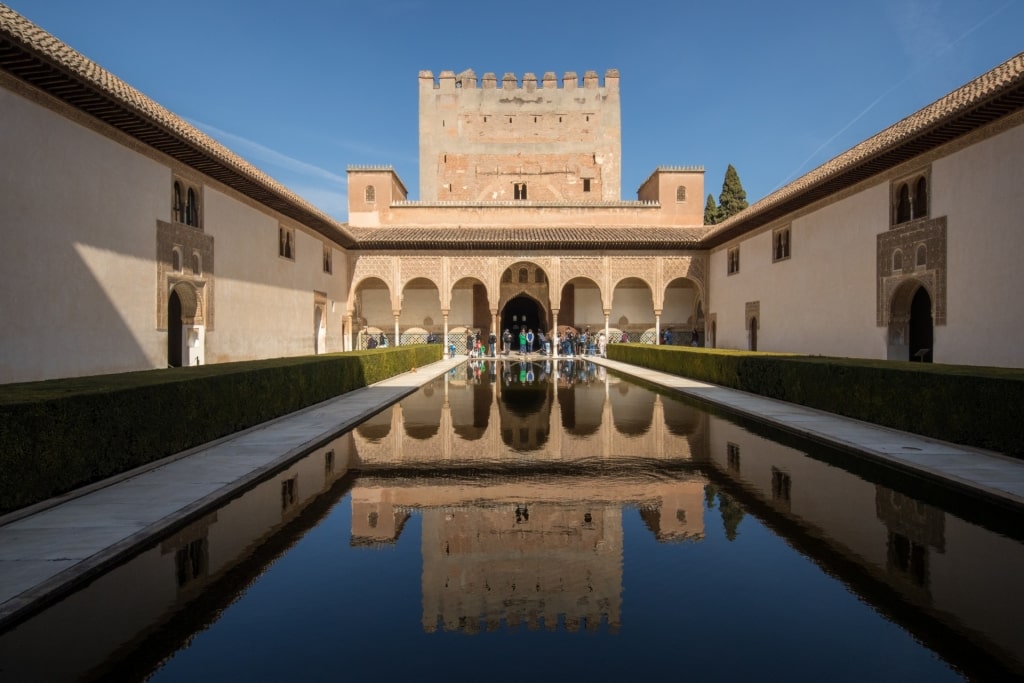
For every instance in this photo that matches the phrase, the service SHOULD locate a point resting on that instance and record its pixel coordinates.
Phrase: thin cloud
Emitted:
(270, 156)
(922, 56)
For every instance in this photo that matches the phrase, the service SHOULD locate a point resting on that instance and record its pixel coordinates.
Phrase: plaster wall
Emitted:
(79, 220)
(979, 189)
(265, 302)
(821, 300)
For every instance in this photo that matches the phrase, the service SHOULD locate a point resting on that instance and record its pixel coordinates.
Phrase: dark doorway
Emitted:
(174, 331)
(921, 327)
(522, 312)
(753, 334)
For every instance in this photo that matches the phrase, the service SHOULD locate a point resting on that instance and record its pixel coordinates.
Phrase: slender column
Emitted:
(496, 331)
(346, 333)
(554, 333)
(657, 327)
(444, 351)
(398, 338)
(607, 330)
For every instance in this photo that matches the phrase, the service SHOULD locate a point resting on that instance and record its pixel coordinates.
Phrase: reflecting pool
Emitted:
(517, 520)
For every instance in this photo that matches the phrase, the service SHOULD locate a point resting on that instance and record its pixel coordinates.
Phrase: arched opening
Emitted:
(579, 305)
(753, 334)
(471, 309)
(175, 341)
(372, 313)
(681, 314)
(421, 320)
(903, 204)
(921, 327)
(522, 313)
(633, 309)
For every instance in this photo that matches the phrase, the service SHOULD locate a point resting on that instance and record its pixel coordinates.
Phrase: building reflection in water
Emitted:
(541, 459)
(524, 476)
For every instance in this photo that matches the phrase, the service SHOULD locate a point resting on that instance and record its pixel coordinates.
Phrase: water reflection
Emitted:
(533, 487)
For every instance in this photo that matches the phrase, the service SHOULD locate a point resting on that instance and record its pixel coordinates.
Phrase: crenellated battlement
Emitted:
(449, 80)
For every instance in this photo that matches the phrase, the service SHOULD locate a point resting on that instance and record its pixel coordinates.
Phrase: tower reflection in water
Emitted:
(556, 497)
(524, 521)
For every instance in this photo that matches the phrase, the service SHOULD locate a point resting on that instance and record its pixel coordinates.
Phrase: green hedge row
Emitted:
(58, 435)
(973, 406)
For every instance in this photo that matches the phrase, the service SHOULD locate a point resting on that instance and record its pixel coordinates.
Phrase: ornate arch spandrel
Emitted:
(377, 266)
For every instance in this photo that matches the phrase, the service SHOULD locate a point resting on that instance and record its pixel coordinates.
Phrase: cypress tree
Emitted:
(733, 198)
(710, 211)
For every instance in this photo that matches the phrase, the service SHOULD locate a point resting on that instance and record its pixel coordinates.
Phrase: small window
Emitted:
(370, 194)
(897, 260)
(520, 190)
(922, 256)
(176, 260)
(681, 193)
(178, 204)
(328, 266)
(289, 492)
(538, 276)
(524, 276)
(780, 244)
(586, 184)
(192, 208)
(921, 198)
(197, 263)
(910, 197)
(286, 243)
(507, 277)
(733, 258)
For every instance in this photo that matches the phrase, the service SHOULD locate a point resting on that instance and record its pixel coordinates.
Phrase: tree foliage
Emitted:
(711, 211)
(733, 198)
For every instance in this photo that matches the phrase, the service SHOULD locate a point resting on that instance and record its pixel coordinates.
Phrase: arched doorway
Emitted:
(522, 312)
(175, 340)
(921, 327)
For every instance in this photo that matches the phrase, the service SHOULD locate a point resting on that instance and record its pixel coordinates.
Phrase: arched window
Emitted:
(897, 260)
(922, 256)
(921, 198)
(192, 208)
(197, 263)
(370, 194)
(519, 189)
(681, 193)
(524, 276)
(176, 260)
(178, 207)
(538, 276)
(507, 277)
(903, 204)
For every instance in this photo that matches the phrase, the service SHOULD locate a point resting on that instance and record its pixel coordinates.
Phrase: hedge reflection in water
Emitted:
(553, 502)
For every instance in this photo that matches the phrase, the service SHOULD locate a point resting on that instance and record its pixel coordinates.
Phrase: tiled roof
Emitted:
(33, 55)
(987, 98)
(505, 237)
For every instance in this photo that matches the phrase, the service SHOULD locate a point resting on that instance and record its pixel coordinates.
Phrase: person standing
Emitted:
(602, 345)
(529, 340)
(492, 341)
(522, 342)
(506, 340)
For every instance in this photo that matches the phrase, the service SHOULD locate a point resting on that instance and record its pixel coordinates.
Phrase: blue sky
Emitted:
(304, 89)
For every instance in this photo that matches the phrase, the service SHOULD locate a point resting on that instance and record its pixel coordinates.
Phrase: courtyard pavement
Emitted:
(49, 549)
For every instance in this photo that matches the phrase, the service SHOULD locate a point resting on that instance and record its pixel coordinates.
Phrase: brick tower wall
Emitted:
(480, 142)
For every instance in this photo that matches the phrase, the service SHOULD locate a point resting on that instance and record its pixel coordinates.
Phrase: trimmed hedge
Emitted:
(968, 405)
(58, 435)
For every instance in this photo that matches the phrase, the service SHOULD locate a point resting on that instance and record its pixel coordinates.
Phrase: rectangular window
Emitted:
(520, 190)
(586, 184)
(733, 257)
(328, 265)
(781, 486)
(780, 244)
(289, 492)
(286, 242)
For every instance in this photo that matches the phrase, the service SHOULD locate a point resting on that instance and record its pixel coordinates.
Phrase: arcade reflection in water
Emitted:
(522, 474)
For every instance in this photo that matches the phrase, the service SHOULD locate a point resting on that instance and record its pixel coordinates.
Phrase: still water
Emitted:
(520, 521)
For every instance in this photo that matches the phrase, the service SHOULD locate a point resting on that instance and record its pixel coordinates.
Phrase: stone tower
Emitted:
(531, 141)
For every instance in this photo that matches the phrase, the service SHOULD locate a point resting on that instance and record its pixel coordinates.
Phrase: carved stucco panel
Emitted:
(908, 240)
